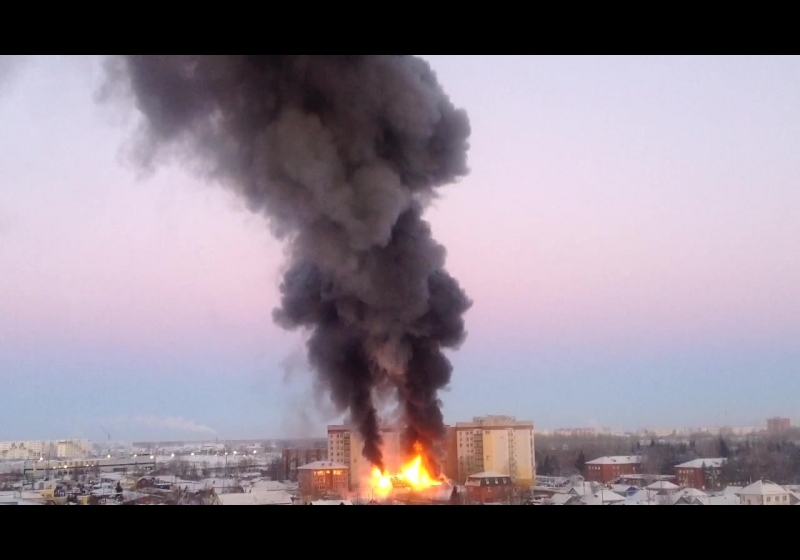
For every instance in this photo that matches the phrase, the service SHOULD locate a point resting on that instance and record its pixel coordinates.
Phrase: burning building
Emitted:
(402, 471)
(341, 155)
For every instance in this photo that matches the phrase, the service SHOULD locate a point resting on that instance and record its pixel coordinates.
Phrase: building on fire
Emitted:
(500, 444)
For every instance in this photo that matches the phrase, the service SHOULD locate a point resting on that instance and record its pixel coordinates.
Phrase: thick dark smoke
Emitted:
(342, 154)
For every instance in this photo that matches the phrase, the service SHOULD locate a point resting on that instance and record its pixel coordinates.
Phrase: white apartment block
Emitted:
(498, 444)
(35, 449)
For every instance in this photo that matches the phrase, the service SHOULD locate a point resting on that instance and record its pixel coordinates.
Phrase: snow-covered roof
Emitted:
(724, 500)
(561, 499)
(763, 488)
(488, 474)
(215, 483)
(268, 485)
(112, 476)
(591, 500)
(662, 485)
(681, 501)
(332, 503)
(268, 498)
(643, 495)
(318, 465)
(616, 460)
(608, 496)
(583, 489)
(732, 489)
(698, 463)
(693, 492)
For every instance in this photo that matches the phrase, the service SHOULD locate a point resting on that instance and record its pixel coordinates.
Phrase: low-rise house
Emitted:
(563, 500)
(602, 498)
(489, 487)
(765, 493)
(663, 487)
(323, 479)
(720, 500)
(625, 489)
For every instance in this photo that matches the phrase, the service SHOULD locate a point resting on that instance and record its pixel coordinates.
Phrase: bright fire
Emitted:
(413, 475)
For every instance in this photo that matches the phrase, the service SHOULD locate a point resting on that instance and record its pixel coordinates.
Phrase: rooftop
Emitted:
(319, 465)
(331, 503)
(662, 485)
(617, 460)
(488, 474)
(268, 498)
(763, 488)
(700, 463)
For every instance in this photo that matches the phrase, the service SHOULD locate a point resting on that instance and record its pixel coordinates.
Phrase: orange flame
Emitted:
(413, 475)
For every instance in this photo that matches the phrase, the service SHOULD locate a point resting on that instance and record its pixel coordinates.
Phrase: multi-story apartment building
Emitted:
(701, 474)
(498, 444)
(35, 449)
(345, 446)
(73, 448)
(778, 426)
(322, 479)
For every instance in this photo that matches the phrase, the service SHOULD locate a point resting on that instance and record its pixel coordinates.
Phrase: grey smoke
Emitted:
(342, 155)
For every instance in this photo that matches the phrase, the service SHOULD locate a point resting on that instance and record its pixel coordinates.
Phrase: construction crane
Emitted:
(109, 439)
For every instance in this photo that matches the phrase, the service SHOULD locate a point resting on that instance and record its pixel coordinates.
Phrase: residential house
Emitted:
(765, 493)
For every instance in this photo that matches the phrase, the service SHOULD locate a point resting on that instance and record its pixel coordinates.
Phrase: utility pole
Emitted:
(109, 439)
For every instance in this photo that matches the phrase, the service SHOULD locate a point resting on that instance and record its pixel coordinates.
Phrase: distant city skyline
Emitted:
(629, 234)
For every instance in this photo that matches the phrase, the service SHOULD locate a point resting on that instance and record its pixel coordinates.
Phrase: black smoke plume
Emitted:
(341, 154)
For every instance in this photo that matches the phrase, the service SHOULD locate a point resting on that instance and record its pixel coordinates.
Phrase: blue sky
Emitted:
(629, 233)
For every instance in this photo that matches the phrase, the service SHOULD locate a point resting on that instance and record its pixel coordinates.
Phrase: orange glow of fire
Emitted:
(413, 475)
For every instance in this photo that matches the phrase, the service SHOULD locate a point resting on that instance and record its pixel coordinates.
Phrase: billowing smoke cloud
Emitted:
(342, 154)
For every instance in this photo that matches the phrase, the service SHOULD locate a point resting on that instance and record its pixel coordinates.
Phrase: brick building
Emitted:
(294, 458)
(701, 474)
(778, 426)
(323, 479)
(607, 469)
(489, 487)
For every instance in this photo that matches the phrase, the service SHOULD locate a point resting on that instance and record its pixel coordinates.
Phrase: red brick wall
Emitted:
(485, 494)
(694, 478)
(607, 473)
(314, 484)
